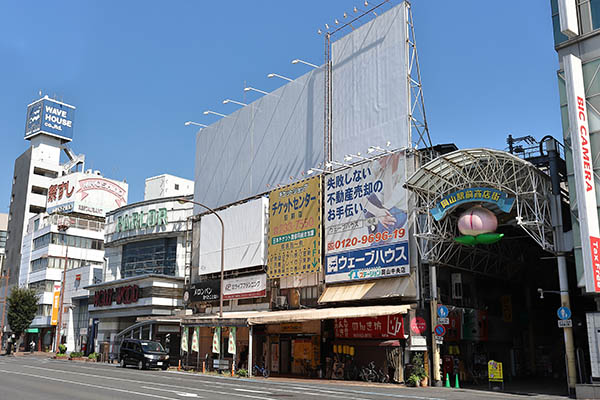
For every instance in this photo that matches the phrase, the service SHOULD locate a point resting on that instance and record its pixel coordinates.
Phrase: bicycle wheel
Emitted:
(371, 376)
(265, 373)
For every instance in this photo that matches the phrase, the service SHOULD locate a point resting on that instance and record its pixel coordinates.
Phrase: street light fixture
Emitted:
(215, 113)
(188, 123)
(332, 163)
(297, 60)
(183, 200)
(227, 101)
(313, 170)
(349, 157)
(249, 88)
(272, 75)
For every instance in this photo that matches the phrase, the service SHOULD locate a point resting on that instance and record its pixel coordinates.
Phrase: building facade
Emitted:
(65, 245)
(146, 245)
(577, 43)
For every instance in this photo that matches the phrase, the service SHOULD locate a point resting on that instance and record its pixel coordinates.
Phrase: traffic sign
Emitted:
(444, 321)
(563, 313)
(565, 323)
(439, 340)
(442, 311)
(440, 330)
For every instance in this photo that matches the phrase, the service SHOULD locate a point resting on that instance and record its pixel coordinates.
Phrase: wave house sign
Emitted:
(142, 220)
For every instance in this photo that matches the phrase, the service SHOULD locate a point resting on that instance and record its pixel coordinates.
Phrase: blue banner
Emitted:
(50, 117)
(473, 195)
(368, 263)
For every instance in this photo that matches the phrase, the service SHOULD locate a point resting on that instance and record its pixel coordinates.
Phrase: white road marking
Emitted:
(89, 385)
(146, 382)
(252, 391)
(177, 392)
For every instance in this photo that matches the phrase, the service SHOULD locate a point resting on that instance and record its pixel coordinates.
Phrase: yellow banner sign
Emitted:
(495, 371)
(295, 229)
(55, 304)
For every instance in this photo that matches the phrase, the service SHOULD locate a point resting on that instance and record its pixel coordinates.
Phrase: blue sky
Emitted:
(137, 70)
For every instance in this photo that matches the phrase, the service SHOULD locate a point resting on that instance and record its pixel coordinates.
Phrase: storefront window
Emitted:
(157, 256)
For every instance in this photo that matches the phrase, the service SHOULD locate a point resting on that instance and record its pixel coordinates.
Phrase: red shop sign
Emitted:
(382, 327)
(418, 326)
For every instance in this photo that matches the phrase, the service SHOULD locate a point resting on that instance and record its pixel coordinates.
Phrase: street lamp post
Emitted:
(62, 228)
(184, 200)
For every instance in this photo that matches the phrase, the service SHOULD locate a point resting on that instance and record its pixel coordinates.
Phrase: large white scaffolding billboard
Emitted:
(284, 133)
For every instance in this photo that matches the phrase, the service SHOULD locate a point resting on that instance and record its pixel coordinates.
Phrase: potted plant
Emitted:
(418, 369)
(413, 380)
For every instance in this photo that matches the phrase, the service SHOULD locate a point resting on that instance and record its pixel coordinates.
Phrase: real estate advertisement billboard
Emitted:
(366, 234)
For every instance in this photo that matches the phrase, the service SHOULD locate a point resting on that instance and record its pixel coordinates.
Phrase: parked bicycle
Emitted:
(258, 370)
(370, 373)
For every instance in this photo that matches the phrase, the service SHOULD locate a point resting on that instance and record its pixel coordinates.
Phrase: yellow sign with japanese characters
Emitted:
(495, 371)
(295, 229)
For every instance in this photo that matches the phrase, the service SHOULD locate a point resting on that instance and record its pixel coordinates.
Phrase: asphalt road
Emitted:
(28, 378)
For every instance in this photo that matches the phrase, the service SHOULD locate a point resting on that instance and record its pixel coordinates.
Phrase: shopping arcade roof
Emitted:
(479, 167)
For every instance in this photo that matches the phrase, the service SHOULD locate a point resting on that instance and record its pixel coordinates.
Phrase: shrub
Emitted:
(94, 356)
(62, 349)
(242, 372)
(61, 355)
(76, 354)
(413, 380)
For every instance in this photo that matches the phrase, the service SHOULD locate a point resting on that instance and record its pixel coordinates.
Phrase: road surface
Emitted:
(31, 378)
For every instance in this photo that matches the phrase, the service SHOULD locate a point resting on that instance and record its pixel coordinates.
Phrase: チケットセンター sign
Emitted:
(294, 229)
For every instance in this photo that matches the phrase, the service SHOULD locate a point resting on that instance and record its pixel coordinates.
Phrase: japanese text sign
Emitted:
(381, 327)
(365, 221)
(294, 229)
(376, 262)
(495, 371)
(476, 194)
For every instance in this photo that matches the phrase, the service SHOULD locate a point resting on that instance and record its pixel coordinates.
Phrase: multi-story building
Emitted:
(146, 246)
(66, 244)
(577, 42)
(166, 185)
(49, 128)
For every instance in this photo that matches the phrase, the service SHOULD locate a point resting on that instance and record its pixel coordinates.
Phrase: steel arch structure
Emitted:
(480, 167)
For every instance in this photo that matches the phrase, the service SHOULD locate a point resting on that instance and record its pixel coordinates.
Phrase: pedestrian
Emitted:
(32, 346)
(9, 345)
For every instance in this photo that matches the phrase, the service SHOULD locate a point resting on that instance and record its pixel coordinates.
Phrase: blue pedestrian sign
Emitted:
(442, 311)
(563, 313)
(440, 330)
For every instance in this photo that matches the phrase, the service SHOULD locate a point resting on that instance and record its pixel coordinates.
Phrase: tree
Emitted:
(22, 307)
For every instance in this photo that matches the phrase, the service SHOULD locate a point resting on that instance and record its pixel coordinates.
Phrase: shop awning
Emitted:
(278, 317)
(382, 288)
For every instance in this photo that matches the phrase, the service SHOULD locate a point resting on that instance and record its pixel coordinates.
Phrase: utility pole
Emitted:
(4, 304)
(62, 228)
(435, 348)
(559, 248)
